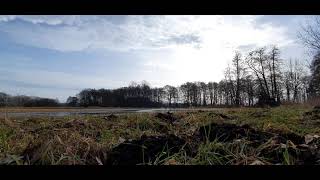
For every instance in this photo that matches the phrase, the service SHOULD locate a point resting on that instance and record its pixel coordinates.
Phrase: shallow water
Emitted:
(88, 111)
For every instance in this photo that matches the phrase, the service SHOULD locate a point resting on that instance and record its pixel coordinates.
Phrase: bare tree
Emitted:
(249, 89)
(297, 81)
(211, 92)
(294, 80)
(274, 63)
(203, 88)
(314, 88)
(255, 62)
(310, 34)
(229, 88)
(172, 94)
(215, 93)
(238, 71)
(288, 83)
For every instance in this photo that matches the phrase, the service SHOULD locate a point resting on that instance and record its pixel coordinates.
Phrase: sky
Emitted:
(57, 56)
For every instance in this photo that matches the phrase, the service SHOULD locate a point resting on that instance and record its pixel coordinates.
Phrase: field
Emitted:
(234, 136)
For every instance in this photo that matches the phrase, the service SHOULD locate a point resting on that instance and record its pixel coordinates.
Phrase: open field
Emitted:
(234, 136)
(66, 111)
(57, 109)
(88, 109)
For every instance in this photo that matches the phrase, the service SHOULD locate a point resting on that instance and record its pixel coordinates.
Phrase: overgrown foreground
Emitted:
(283, 135)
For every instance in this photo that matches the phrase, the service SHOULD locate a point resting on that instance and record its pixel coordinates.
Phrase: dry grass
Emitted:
(90, 139)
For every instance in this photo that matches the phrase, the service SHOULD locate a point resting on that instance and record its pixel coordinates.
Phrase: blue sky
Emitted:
(57, 56)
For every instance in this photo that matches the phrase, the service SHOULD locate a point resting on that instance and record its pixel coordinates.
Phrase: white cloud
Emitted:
(171, 49)
(6, 18)
(44, 19)
(78, 33)
(220, 37)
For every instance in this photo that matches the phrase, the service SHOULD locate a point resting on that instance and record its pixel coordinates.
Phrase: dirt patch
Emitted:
(229, 132)
(167, 117)
(110, 117)
(75, 123)
(145, 150)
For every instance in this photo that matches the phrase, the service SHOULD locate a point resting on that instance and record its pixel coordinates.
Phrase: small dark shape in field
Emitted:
(110, 117)
(75, 123)
(229, 132)
(317, 107)
(167, 117)
(223, 116)
(144, 150)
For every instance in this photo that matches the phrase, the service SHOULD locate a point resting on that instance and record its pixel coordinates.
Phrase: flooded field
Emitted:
(60, 112)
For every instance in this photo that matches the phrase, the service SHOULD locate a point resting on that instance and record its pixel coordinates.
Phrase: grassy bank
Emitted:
(226, 136)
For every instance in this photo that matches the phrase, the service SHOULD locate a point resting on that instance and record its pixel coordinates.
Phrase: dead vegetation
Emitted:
(312, 118)
(167, 117)
(234, 137)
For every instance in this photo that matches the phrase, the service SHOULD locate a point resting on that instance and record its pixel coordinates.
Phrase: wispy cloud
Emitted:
(165, 49)
(78, 33)
(49, 20)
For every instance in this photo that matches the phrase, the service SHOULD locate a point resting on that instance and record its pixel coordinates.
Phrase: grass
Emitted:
(4, 136)
(89, 139)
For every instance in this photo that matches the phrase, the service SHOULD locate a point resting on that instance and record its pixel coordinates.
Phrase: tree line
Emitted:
(259, 78)
(26, 101)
